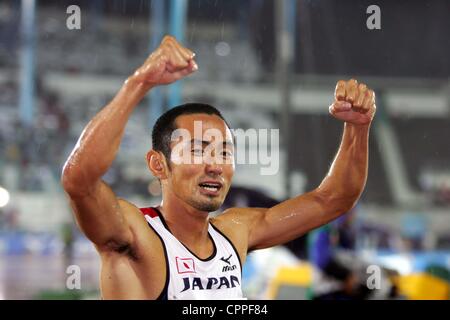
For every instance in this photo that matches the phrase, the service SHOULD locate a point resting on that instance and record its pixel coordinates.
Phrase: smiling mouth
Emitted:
(210, 187)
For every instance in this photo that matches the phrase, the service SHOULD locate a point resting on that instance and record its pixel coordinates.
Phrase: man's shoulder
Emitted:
(131, 210)
(236, 219)
(135, 217)
(126, 205)
(239, 214)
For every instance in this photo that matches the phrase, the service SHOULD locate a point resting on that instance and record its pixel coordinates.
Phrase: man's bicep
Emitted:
(102, 217)
(287, 220)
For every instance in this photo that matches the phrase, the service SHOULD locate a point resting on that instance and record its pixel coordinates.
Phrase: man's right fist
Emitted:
(354, 102)
(168, 63)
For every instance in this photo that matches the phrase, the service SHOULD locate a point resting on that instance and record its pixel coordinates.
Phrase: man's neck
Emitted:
(186, 223)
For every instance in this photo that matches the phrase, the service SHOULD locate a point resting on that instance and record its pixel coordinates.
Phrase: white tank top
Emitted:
(188, 276)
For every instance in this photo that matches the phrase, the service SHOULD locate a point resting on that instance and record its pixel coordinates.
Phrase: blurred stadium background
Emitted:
(265, 64)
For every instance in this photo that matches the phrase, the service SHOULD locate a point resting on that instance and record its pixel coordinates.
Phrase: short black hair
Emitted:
(165, 125)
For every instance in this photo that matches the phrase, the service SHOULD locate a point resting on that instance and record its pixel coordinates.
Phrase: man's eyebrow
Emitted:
(204, 142)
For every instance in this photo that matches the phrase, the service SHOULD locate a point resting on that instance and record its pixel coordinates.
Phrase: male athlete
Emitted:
(176, 251)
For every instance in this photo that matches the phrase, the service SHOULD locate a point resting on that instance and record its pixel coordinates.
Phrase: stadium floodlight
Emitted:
(4, 197)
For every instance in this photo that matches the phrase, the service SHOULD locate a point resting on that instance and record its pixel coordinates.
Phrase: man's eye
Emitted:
(227, 154)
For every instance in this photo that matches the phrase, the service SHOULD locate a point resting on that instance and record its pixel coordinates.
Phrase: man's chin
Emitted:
(207, 206)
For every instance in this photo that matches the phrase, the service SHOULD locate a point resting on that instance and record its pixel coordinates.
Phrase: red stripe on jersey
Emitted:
(149, 212)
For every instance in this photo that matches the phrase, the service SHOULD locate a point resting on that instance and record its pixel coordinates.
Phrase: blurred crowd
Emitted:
(36, 151)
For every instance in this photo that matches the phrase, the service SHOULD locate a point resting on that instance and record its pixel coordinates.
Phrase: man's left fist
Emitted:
(353, 102)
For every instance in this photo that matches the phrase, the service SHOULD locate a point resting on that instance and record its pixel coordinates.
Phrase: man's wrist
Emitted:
(358, 127)
(134, 82)
(131, 92)
(136, 87)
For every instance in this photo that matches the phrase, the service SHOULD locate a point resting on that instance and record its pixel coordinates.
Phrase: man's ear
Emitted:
(156, 162)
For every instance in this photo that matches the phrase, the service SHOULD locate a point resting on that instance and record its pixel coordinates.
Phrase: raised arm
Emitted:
(340, 189)
(100, 215)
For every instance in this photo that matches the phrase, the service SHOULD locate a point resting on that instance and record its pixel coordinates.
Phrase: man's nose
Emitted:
(214, 169)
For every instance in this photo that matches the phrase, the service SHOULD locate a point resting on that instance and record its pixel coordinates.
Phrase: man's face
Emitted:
(202, 161)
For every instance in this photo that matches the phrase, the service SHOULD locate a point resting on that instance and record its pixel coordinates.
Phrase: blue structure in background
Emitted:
(178, 13)
(177, 19)
(26, 100)
(157, 26)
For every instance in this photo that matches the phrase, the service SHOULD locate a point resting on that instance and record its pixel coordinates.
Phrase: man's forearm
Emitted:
(347, 176)
(98, 144)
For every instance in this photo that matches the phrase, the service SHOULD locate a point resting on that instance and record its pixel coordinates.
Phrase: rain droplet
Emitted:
(222, 49)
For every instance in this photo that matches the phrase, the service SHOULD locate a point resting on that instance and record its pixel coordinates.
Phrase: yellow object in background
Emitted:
(422, 286)
(298, 276)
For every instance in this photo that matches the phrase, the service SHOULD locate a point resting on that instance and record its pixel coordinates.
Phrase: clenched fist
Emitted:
(354, 102)
(168, 63)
